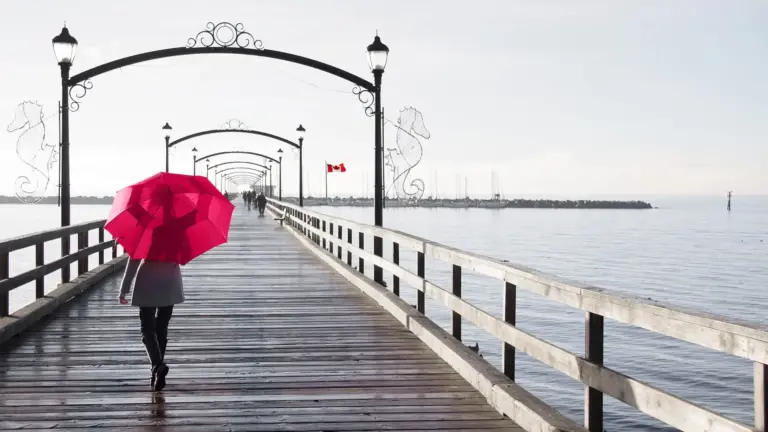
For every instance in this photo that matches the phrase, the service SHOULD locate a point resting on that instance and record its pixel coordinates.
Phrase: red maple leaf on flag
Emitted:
(336, 168)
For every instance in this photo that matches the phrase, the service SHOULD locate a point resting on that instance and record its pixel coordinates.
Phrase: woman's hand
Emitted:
(122, 299)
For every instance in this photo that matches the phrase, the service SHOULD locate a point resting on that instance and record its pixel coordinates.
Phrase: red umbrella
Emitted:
(170, 217)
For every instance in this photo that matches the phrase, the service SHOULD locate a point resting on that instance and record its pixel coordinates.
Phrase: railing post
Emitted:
(510, 317)
(420, 271)
(593, 348)
(761, 396)
(349, 252)
(82, 243)
(330, 231)
(378, 250)
(455, 316)
(39, 262)
(114, 249)
(340, 231)
(361, 245)
(65, 276)
(101, 240)
(396, 261)
(4, 270)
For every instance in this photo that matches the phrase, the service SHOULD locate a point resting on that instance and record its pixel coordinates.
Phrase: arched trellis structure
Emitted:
(279, 164)
(244, 177)
(240, 127)
(221, 38)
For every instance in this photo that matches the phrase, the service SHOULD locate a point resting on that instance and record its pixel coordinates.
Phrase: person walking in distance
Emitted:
(261, 201)
(156, 287)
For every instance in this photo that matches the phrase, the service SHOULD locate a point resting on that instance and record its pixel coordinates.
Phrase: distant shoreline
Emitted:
(425, 203)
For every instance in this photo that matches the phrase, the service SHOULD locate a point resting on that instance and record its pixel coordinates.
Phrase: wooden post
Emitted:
(340, 233)
(361, 261)
(510, 317)
(39, 262)
(82, 243)
(349, 252)
(455, 316)
(101, 240)
(593, 350)
(4, 269)
(65, 271)
(420, 271)
(114, 250)
(396, 260)
(761, 396)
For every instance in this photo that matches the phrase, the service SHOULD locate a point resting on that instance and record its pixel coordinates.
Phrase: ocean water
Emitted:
(688, 252)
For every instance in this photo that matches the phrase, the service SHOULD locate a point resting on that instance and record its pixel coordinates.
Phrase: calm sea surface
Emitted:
(689, 252)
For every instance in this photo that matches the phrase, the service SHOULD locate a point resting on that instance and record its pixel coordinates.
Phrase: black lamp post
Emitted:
(377, 60)
(207, 168)
(167, 134)
(280, 175)
(194, 160)
(301, 132)
(65, 48)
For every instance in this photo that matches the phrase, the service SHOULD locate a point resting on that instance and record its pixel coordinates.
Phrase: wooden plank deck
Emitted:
(269, 339)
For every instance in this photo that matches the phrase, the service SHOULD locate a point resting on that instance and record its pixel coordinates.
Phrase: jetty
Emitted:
(283, 329)
(519, 203)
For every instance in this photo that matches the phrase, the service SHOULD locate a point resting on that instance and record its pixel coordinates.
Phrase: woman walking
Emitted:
(157, 286)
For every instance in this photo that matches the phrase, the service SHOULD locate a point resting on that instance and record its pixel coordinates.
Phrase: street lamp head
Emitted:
(194, 149)
(280, 151)
(377, 54)
(64, 47)
(167, 131)
(301, 131)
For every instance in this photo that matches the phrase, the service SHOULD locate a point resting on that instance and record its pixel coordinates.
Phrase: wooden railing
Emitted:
(37, 274)
(746, 340)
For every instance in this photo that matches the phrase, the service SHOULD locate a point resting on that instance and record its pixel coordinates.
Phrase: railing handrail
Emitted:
(746, 340)
(496, 268)
(27, 240)
(37, 274)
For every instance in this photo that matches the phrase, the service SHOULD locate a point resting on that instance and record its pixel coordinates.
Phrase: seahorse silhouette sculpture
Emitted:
(402, 159)
(33, 151)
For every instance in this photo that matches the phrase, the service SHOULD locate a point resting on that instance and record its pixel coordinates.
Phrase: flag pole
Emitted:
(326, 182)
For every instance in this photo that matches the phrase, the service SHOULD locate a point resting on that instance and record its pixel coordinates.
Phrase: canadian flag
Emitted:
(336, 168)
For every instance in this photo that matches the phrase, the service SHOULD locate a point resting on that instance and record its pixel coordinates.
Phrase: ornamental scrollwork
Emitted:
(78, 92)
(225, 35)
(234, 124)
(366, 98)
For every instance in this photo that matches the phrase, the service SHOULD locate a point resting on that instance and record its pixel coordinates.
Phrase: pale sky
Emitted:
(567, 98)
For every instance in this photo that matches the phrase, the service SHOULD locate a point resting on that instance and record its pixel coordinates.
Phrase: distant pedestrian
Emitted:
(261, 201)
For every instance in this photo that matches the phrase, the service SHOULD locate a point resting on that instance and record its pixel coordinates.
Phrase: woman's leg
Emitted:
(162, 321)
(149, 338)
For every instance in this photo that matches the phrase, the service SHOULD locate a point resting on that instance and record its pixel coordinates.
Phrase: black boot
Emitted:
(159, 369)
(162, 342)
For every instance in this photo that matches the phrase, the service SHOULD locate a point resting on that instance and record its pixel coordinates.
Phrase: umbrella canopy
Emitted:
(170, 217)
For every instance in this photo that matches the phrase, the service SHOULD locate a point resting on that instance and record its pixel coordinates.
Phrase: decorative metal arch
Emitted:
(210, 41)
(245, 131)
(241, 162)
(236, 152)
(256, 170)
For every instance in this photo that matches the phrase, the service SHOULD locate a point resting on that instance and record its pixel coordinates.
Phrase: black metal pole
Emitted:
(280, 178)
(65, 193)
(378, 246)
(167, 139)
(301, 172)
(194, 164)
(270, 182)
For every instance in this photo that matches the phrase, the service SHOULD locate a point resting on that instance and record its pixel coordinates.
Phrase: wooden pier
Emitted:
(270, 338)
(282, 332)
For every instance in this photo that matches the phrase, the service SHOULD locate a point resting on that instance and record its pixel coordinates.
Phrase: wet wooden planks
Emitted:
(270, 339)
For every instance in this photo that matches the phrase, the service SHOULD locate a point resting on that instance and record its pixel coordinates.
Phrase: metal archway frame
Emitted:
(240, 162)
(195, 159)
(240, 43)
(247, 170)
(279, 173)
(299, 146)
